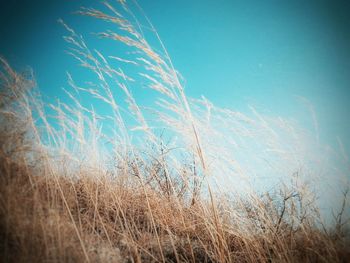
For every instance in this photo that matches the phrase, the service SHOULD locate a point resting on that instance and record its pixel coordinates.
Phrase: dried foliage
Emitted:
(67, 197)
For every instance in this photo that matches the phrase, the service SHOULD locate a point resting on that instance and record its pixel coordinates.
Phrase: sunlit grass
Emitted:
(136, 183)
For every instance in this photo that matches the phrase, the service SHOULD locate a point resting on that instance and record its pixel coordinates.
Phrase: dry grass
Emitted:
(65, 198)
(48, 219)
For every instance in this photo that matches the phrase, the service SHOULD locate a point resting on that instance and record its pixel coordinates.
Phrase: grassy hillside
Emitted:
(67, 197)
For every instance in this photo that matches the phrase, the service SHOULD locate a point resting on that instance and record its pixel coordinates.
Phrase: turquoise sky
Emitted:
(235, 53)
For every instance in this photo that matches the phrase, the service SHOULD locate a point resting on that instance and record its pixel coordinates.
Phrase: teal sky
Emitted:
(235, 53)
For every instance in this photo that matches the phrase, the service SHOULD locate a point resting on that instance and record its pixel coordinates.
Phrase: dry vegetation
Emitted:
(66, 198)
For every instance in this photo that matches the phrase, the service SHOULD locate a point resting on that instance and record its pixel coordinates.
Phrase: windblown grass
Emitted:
(74, 191)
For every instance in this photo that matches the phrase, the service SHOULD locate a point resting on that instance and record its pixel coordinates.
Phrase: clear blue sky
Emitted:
(233, 52)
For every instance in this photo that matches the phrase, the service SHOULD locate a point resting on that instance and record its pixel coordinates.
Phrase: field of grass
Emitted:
(74, 190)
